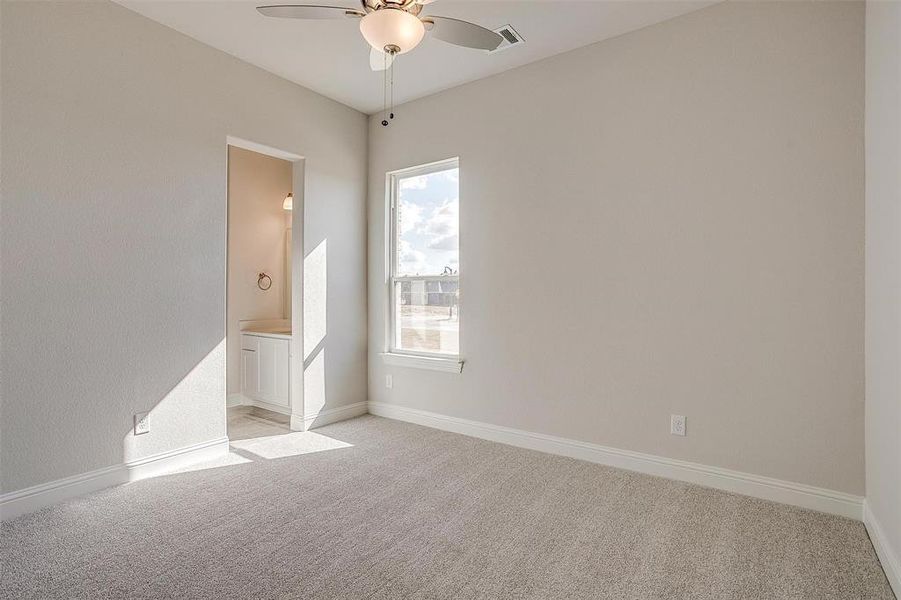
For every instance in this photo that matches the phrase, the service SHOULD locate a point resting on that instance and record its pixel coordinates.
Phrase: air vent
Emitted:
(511, 38)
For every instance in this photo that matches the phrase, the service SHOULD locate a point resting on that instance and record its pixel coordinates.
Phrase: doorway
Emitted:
(262, 393)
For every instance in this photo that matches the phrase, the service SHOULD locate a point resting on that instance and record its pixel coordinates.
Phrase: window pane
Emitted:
(426, 318)
(427, 224)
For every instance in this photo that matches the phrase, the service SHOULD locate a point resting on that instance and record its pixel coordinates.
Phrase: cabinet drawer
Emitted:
(250, 342)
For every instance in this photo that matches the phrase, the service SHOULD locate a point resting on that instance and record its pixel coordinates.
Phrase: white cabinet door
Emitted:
(267, 354)
(274, 364)
(266, 369)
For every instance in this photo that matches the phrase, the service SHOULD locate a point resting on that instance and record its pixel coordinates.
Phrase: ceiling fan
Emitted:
(393, 27)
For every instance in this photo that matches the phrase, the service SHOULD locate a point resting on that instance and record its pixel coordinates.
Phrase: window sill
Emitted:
(447, 365)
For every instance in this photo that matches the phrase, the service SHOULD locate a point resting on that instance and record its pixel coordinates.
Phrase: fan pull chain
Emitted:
(388, 87)
(385, 88)
(391, 114)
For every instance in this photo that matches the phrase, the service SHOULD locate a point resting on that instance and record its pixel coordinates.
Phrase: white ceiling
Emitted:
(332, 58)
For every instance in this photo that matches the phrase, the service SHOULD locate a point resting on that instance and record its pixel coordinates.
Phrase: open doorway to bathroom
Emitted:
(259, 290)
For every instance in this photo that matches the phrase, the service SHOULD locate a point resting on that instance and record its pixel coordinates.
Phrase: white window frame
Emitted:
(397, 356)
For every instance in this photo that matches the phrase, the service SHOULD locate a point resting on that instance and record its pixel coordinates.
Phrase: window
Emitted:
(424, 261)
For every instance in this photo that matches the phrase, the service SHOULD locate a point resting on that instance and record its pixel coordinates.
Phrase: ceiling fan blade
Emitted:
(379, 61)
(308, 11)
(463, 33)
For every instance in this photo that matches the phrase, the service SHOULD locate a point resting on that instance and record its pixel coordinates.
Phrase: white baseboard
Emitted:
(165, 462)
(276, 408)
(890, 560)
(20, 502)
(235, 400)
(327, 416)
(786, 492)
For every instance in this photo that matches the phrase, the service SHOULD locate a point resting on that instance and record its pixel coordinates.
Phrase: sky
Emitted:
(428, 207)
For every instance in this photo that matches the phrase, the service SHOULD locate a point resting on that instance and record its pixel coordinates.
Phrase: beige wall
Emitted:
(883, 306)
(114, 232)
(667, 222)
(257, 186)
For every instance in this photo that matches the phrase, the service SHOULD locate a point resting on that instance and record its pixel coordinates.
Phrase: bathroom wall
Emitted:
(257, 186)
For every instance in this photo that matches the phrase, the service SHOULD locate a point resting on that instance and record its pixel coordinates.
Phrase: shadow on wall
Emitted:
(191, 412)
(206, 380)
(180, 417)
(180, 409)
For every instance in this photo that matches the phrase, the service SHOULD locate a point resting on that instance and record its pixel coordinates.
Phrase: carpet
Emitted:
(377, 509)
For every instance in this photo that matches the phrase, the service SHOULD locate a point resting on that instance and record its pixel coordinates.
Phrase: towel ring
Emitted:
(261, 284)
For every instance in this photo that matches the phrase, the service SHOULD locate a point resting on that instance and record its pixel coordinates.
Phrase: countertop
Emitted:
(275, 332)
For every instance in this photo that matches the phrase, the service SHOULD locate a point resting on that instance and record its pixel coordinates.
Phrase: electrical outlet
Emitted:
(142, 423)
(677, 424)
(389, 381)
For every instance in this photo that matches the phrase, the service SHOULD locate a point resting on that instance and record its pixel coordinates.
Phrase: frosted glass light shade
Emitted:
(288, 204)
(392, 27)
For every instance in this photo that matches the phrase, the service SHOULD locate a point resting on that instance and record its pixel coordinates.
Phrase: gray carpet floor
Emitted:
(372, 508)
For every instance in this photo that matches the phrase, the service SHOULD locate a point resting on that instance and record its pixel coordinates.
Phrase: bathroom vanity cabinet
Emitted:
(265, 370)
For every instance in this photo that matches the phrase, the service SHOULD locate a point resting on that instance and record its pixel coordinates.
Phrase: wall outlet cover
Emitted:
(389, 381)
(142, 423)
(677, 425)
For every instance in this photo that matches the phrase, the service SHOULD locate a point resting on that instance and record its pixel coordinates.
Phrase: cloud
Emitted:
(445, 242)
(421, 182)
(410, 260)
(410, 216)
(414, 183)
(444, 220)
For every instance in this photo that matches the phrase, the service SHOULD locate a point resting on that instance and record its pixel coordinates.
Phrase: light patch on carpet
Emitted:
(289, 444)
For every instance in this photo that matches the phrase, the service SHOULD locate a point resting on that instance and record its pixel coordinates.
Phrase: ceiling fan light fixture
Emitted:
(392, 27)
